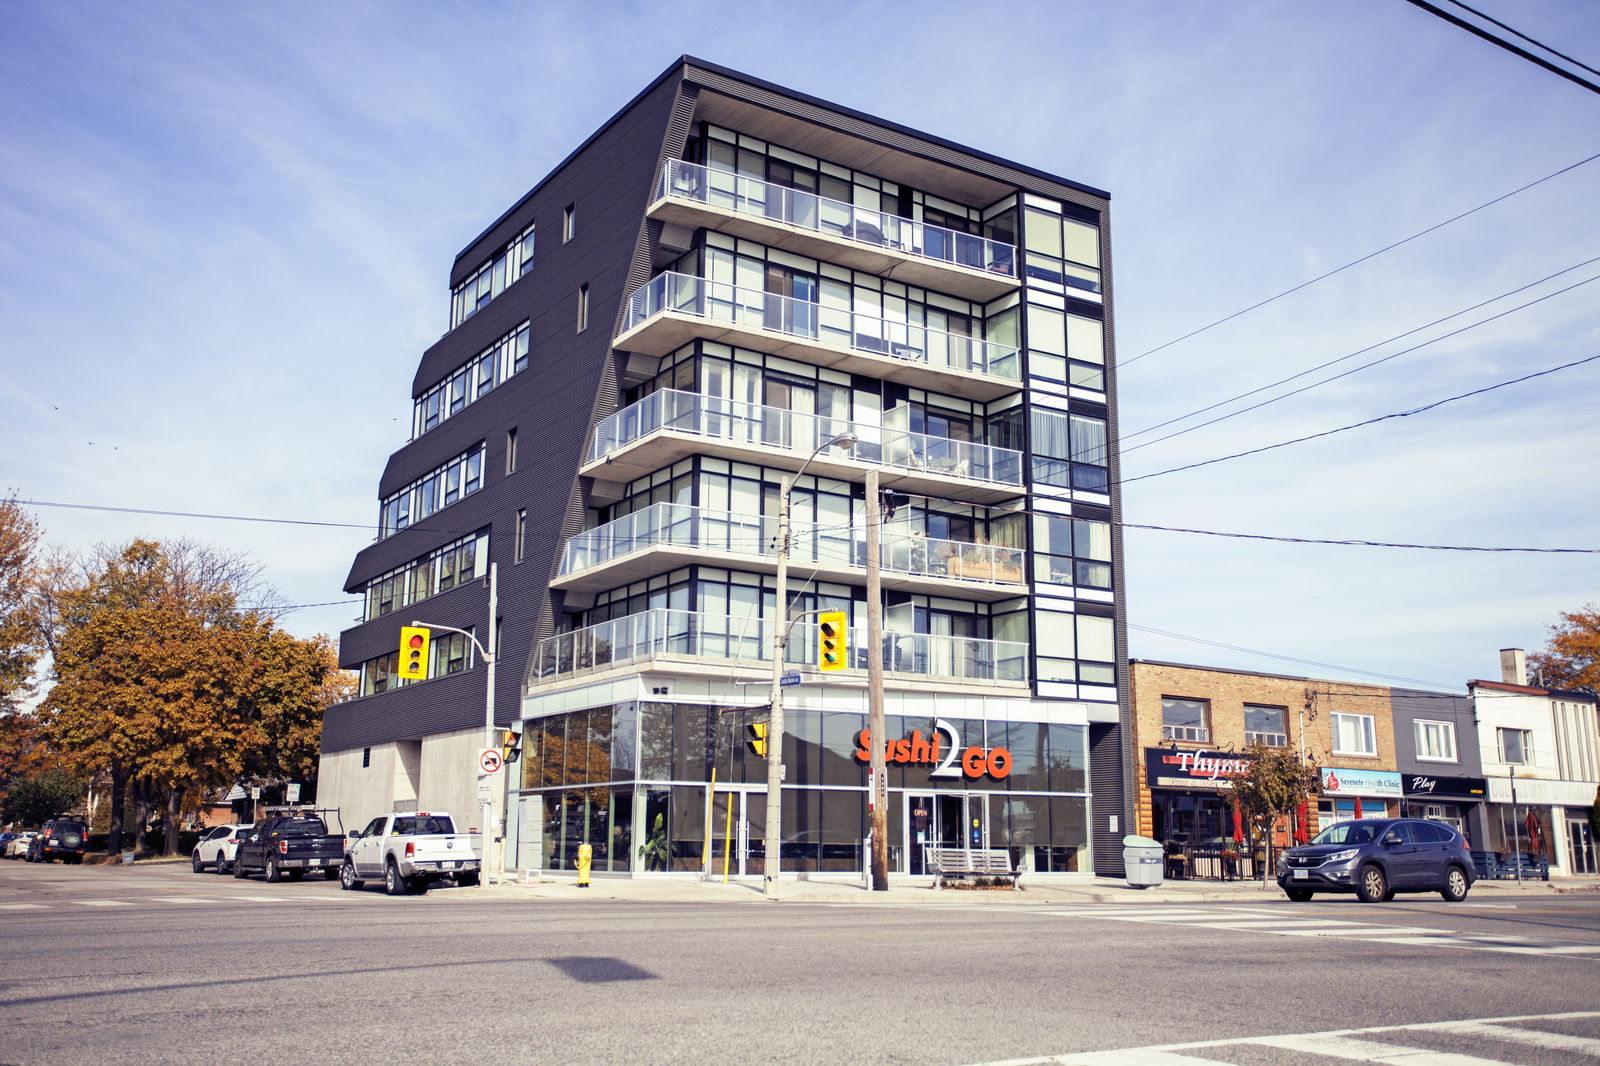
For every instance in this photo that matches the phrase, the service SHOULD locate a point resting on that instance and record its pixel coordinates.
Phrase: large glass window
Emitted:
(1436, 741)
(1072, 551)
(440, 569)
(467, 383)
(490, 280)
(1185, 719)
(460, 477)
(1354, 734)
(1266, 725)
(1069, 450)
(1515, 746)
(1062, 251)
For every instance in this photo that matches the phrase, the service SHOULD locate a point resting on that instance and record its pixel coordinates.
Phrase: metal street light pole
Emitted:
(491, 866)
(879, 820)
(780, 640)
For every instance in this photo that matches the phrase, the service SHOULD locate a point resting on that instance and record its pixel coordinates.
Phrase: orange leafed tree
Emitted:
(1572, 658)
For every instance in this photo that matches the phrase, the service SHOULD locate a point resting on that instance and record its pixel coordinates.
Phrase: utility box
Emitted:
(1143, 861)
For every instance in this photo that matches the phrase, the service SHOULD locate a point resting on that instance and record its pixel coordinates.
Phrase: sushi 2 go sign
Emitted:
(948, 761)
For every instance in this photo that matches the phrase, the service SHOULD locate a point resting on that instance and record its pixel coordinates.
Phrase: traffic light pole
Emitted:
(487, 827)
(879, 804)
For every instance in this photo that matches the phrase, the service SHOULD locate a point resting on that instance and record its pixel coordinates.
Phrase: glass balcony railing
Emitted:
(807, 210)
(719, 301)
(684, 526)
(773, 428)
(664, 633)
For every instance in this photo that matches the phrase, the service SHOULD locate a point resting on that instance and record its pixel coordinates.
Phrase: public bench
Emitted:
(970, 864)
(1491, 866)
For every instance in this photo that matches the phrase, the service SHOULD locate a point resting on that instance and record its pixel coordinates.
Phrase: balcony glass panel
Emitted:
(806, 210)
(719, 301)
(769, 428)
(688, 634)
(685, 526)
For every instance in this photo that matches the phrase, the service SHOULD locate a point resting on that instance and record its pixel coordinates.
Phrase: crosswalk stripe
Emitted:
(1364, 1050)
(22, 907)
(180, 899)
(100, 902)
(1533, 1037)
(1128, 1057)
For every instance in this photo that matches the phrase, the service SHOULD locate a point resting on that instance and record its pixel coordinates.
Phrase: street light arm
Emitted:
(483, 652)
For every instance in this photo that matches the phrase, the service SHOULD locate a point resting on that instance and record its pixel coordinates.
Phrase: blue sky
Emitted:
(225, 232)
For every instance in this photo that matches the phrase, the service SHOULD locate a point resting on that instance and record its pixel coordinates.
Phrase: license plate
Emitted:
(316, 862)
(1302, 875)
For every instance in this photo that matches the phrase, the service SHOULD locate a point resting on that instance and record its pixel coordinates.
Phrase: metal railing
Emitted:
(664, 633)
(720, 301)
(807, 210)
(685, 526)
(773, 428)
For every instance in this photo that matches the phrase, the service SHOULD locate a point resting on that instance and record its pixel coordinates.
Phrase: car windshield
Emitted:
(1348, 833)
(302, 827)
(421, 826)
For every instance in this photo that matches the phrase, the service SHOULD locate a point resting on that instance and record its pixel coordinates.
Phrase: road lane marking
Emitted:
(100, 903)
(22, 907)
(180, 899)
(1534, 1037)
(1365, 1050)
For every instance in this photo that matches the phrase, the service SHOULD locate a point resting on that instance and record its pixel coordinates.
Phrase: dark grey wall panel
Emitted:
(1409, 705)
(1108, 783)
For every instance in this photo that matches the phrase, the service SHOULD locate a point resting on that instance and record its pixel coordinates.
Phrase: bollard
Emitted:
(585, 859)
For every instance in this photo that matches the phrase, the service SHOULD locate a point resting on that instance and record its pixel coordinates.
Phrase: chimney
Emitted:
(1513, 666)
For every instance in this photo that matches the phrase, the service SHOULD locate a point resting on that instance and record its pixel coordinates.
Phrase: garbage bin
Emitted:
(1143, 861)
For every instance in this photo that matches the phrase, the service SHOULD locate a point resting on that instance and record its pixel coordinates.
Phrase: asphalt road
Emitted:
(155, 964)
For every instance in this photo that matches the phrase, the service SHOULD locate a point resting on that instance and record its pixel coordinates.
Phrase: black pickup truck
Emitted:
(289, 844)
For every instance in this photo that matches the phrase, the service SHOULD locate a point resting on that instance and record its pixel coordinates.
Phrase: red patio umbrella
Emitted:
(1238, 825)
(1300, 835)
(1535, 834)
(1358, 806)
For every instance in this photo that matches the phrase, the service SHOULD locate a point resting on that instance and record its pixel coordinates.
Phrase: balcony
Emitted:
(673, 309)
(668, 535)
(663, 636)
(961, 264)
(668, 425)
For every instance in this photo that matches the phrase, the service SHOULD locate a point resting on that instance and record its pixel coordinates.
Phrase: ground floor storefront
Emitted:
(657, 786)
(1543, 820)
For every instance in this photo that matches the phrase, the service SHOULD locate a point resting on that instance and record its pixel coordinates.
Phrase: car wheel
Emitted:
(239, 871)
(1298, 895)
(1455, 885)
(222, 864)
(274, 875)
(393, 883)
(195, 864)
(347, 877)
(1372, 886)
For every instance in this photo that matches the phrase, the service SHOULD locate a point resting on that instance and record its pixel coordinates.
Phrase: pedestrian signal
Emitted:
(757, 738)
(831, 640)
(510, 746)
(414, 652)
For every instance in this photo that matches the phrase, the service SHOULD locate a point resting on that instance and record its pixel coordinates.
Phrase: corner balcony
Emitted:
(690, 639)
(671, 310)
(668, 535)
(671, 424)
(961, 264)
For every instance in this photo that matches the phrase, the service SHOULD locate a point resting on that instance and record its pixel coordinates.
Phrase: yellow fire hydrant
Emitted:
(585, 860)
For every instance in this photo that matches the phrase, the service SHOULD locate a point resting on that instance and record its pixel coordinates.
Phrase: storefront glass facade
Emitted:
(633, 781)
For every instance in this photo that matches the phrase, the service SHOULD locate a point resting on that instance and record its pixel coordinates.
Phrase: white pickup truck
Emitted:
(410, 850)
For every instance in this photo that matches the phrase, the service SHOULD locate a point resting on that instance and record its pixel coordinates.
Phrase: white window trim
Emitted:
(1370, 732)
(1450, 729)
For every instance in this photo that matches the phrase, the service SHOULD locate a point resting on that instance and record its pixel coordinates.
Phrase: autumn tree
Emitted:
(1571, 660)
(297, 681)
(20, 637)
(32, 799)
(1272, 788)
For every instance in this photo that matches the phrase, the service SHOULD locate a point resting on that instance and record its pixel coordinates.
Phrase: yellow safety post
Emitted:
(727, 840)
(585, 860)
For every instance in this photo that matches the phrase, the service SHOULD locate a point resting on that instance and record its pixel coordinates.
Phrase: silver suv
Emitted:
(1377, 857)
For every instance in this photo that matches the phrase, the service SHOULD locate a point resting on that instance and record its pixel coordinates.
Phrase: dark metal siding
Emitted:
(552, 405)
(1108, 785)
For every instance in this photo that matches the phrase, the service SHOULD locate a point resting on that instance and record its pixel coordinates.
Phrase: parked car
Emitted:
(17, 848)
(287, 844)
(60, 838)
(1377, 857)
(410, 850)
(217, 847)
(6, 838)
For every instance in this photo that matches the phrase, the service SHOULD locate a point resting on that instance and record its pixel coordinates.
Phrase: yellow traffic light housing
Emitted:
(831, 629)
(414, 652)
(510, 746)
(757, 738)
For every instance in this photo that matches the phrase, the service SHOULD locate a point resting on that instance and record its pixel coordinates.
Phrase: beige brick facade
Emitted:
(1308, 703)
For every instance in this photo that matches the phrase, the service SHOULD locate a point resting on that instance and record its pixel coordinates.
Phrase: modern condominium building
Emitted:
(727, 286)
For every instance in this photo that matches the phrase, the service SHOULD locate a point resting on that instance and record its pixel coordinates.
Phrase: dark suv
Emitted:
(61, 838)
(1377, 857)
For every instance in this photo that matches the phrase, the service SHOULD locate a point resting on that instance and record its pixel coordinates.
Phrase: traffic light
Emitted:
(757, 738)
(414, 653)
(831, 640)
(510, 746)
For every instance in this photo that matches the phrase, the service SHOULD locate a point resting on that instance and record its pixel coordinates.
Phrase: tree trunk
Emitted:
(174, 803)
(141, 814)
(119, 798)
(1266, 852)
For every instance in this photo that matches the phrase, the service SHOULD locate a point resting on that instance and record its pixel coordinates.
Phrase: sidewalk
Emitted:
(918, 890)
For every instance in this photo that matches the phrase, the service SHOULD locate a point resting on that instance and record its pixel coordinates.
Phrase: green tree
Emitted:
(1274, 786)
(20, 636)
(34, 798)
(1571, 660)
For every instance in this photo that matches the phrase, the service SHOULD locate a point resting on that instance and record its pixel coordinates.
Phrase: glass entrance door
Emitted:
(945, 820)
(738, 832)
(1581, 846)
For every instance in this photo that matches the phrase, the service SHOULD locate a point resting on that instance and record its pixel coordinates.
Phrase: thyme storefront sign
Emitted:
(1208, 770)
(973, 762)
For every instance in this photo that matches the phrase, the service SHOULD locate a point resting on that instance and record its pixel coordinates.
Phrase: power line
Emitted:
(1361, 543)
(1524, 36)
(1368, 422)
(1284, 658)
(1342, 358)
(1479, 31)
(1357, 262)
